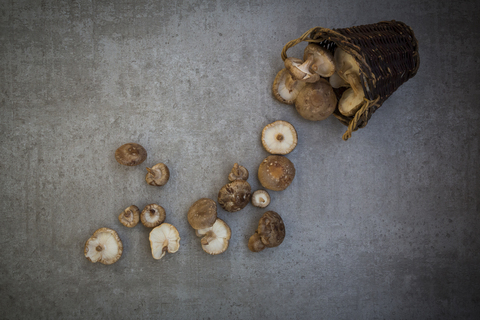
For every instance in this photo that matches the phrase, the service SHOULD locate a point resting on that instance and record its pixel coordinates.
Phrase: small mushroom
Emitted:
(299, 71)
(260, 198)
(276, 172)
(348, 69)
(215, 238)
(104, 246)
(270, 232)
(316, 101)
(202, 214)
(351, 101)
(319, 60)
(131, 154)
(152, 215)
(279, 137)
(285, 89)
(130, 216)
(234, 196)
(157, 175)
(238, 173)
(164, 238)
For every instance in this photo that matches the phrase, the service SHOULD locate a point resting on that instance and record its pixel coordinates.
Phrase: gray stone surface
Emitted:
(383, 226)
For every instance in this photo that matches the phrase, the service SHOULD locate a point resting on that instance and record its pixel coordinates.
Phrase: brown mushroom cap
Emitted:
(130, 216)
(285, 89)
(157, 175)
(319, 60)
(153, 215)
(255, 244)
(316, 101)
(271, 229)
(238, 173)
(234, 196)
(276, 172)
(104, 246)
(131, 154)
(202, 214)
(294, 67)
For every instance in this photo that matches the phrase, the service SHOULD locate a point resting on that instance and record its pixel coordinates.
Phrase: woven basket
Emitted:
(387, 53)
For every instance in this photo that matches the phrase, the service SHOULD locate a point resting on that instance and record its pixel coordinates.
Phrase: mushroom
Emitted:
(164, 238)
(152, 215)
(238, 173)
(316, 101)
(215, 238)
(234, 196)
(270, 232)
(348, 69)
(298, 70)
(319, 60)
(157, 175)
(279, 137)
(351, 101)
(276, 172)
(202, 214)
(337, 82)
(104, 246)
(260, 198)
(285, 89)
(130, 216)
(131, 154)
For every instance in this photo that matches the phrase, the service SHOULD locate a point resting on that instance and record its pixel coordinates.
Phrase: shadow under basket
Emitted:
(387, 54)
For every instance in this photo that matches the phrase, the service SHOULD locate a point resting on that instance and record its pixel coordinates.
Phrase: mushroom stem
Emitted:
(150, 170)
(354, 82)
(209, 236)
(290, 83)
(99, 248)
(305, 66)
(165, 246)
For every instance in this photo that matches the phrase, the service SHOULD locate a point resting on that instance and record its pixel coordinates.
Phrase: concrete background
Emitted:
(383, 226)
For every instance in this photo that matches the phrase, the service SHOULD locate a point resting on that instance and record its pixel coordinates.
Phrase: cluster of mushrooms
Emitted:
(309, 83)
(275, 173)
(105, 246)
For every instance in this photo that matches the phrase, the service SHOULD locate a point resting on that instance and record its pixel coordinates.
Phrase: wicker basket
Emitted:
(387, 53)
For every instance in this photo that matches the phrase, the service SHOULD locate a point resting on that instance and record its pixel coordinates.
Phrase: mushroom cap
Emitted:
(271, 229)
(104, 246)
(350, 102)
(260, 198)
(294, 67)
(234, 196)
(316, 101)
(130, 216)
(285, 89)
(153, 215)
(238, 173)
(131, 154)
(279, 137)
(215, 238)
(276, 172)
(321, 60)
(336, 81)
(202, 214)
(255, 244)
(164, 238)
(157, 175)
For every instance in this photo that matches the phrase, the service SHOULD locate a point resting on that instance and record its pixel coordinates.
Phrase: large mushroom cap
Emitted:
(131, 154)
(202, 214)
(104, 246)
(153, 215)
(316, 101)
(130, 216)
(271, 229)
(164, 238)
(157, 175)
(215, 239)
(276, 172)
(279, 137)
(234, 196)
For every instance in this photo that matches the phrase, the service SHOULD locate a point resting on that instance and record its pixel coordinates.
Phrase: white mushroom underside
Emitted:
(260, 198)
(350, 102)
(161, 236)
(219, 236)
(276, 145)
(109, 246)
(152, 217)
